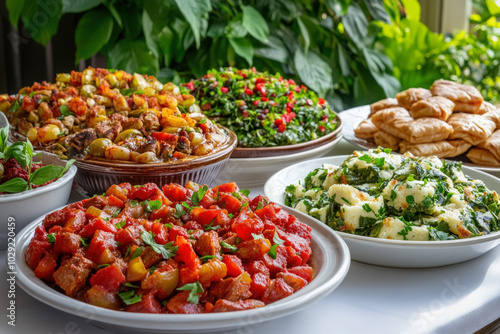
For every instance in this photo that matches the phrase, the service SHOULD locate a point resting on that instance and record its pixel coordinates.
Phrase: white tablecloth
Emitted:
(461, 298)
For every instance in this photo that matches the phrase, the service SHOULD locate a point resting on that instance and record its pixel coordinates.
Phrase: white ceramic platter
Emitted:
(352, 117)
(393, 253)
(22, 208)
(331, 261)
(253, 172)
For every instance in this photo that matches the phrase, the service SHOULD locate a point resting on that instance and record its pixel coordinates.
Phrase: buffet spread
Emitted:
(154, 234)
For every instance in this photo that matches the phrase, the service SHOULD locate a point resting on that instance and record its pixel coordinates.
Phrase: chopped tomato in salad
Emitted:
(173, 250)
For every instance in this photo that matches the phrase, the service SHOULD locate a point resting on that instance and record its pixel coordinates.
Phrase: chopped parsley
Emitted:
(130, 297)
(195, 289)
(167, 250)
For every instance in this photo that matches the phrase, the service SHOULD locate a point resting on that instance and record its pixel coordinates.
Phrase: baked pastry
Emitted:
(398, 122)
(366, 129)
(436, 106)
(472, 128)
(386, 140)
(408, 97)
(492, 144)
(466, 98)
(485, 107)
(493, 115)
(441, 149)
(481, 156)
(383, 104)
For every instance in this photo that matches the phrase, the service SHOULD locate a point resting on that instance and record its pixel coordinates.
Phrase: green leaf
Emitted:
(121, 224)
(255, 24)
(79, 6)
(274, 50)
(41, 19)
(153, 205)
(339, 7)
(229, 247)
(355, 23)
(15, 8)
(377, 10)
(45, 174)
(15, 185)
(114, 13)
(137, 252)
(243, 48)
(412, 8)
(51, 238)
(313, 71)
(130, 297)
(193, 10)
(167, 250)
(194, 290)
(235, 28)
(4, 134)
(133, 57)
(277, 241)
(198, 195)
(92, 33)
(69, 163)
(21, 151)
(305, 34)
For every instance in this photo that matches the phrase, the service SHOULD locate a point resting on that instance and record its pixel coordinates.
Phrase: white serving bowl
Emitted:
(393, 253)
(330, 260)
(21, 208)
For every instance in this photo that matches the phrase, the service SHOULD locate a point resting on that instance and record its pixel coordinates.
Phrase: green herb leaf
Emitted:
(229, 247)
(345, 200)
(51, 237)
(129, 285)
(104, 265)
(64, 109)
(277, 241)
(365, 158)
(179, 211)
(195, 289)
(121, 224)
(14, 185)
(209, 227)
(198, 195)
(153, 205)
(130, 297)
(84, 242)
(257, 236)
(45, 174)
(379, 161)
(245, 192)
(410, 199)
(167, 250)
(367, 207)
(137, 252)
(393, 194)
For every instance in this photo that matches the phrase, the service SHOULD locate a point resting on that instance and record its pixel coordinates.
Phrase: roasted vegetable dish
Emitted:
(379, 194)
(100, 113)
(263, 109)
(18, 171)
(173, 250)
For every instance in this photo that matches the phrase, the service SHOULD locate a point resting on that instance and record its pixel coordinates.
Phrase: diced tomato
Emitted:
(234, 265)
(143, 192)
(76, 79)
(189, 273)
(230, 187)
(254, 249)
(259, 285)
(185, 252)
(55, 218)
(207, 216)
(174, 192)
(160, 232)
(129, 234)
(148, 304)
(96, 224)
(300, 229)
(294, 281)
(36, 250)
(245, 228)
(115, 201)
(75, 220)
(46, 267)
(262, 200)
(278, 264)
(293, 259)
(256, 267)
(177, 231)
(230, 203)
(306, 272)
(179, 304)
(109, 277)
(160, 135)
(298, 243)
(163, 212)
(207, 201)
(40, 233)
(266, 213)
(118, 192)
(66, 243)
(277, 290)
(101, 242)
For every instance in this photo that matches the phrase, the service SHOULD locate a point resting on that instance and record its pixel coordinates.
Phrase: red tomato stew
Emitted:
(173, 250)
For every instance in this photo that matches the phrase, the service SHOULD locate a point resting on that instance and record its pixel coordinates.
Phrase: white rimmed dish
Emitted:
(253, 172)
(393, 253)
(20, 209)
(351, 118)
(331, 261)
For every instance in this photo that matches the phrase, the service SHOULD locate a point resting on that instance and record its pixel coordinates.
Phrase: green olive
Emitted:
(170, 129)
(1, 169)
(98, 147)
(130, 133)
(63, 77)
(111, 79)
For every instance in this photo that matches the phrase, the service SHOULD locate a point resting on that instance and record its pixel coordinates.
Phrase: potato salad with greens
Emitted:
(383, 195)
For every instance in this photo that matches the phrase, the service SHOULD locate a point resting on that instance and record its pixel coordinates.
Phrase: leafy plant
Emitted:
(327, 44)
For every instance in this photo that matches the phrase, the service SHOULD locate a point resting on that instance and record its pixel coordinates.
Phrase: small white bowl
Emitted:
(330, 260)
(19, 209)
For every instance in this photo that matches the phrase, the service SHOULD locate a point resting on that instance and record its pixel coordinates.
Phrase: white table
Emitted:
(461, 298)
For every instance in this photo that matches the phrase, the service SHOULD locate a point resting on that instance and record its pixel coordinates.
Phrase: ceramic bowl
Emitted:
(18, 210)
(96, 176)
(330, 260)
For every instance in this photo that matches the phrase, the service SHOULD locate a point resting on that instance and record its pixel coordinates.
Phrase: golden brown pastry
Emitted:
(408, 97)
(436, 106)
(441, 149)
(492, 144)
(383, 104)
(493, 115)
(386, 140)
(398, 122)
(472, 128)
(366, 129)
(481, 156)
(485, 107)
(466, 98)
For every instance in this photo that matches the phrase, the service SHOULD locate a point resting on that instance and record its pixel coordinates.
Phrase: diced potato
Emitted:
(115, 152)
(99, 296)
(174, 121)
(48, 133)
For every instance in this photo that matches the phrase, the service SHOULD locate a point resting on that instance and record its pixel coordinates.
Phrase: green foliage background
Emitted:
(353, 52)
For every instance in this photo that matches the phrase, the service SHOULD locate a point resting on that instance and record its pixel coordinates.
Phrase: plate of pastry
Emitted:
(449, 120)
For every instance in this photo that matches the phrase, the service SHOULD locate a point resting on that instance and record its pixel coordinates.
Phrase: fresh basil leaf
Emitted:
(45, 174)
(68, 165)
(198, 195)
(14, 185)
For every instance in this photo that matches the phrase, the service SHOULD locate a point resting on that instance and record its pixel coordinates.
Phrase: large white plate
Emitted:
(393, 253)
(352, 117)
(331, 261)
(253, 172)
